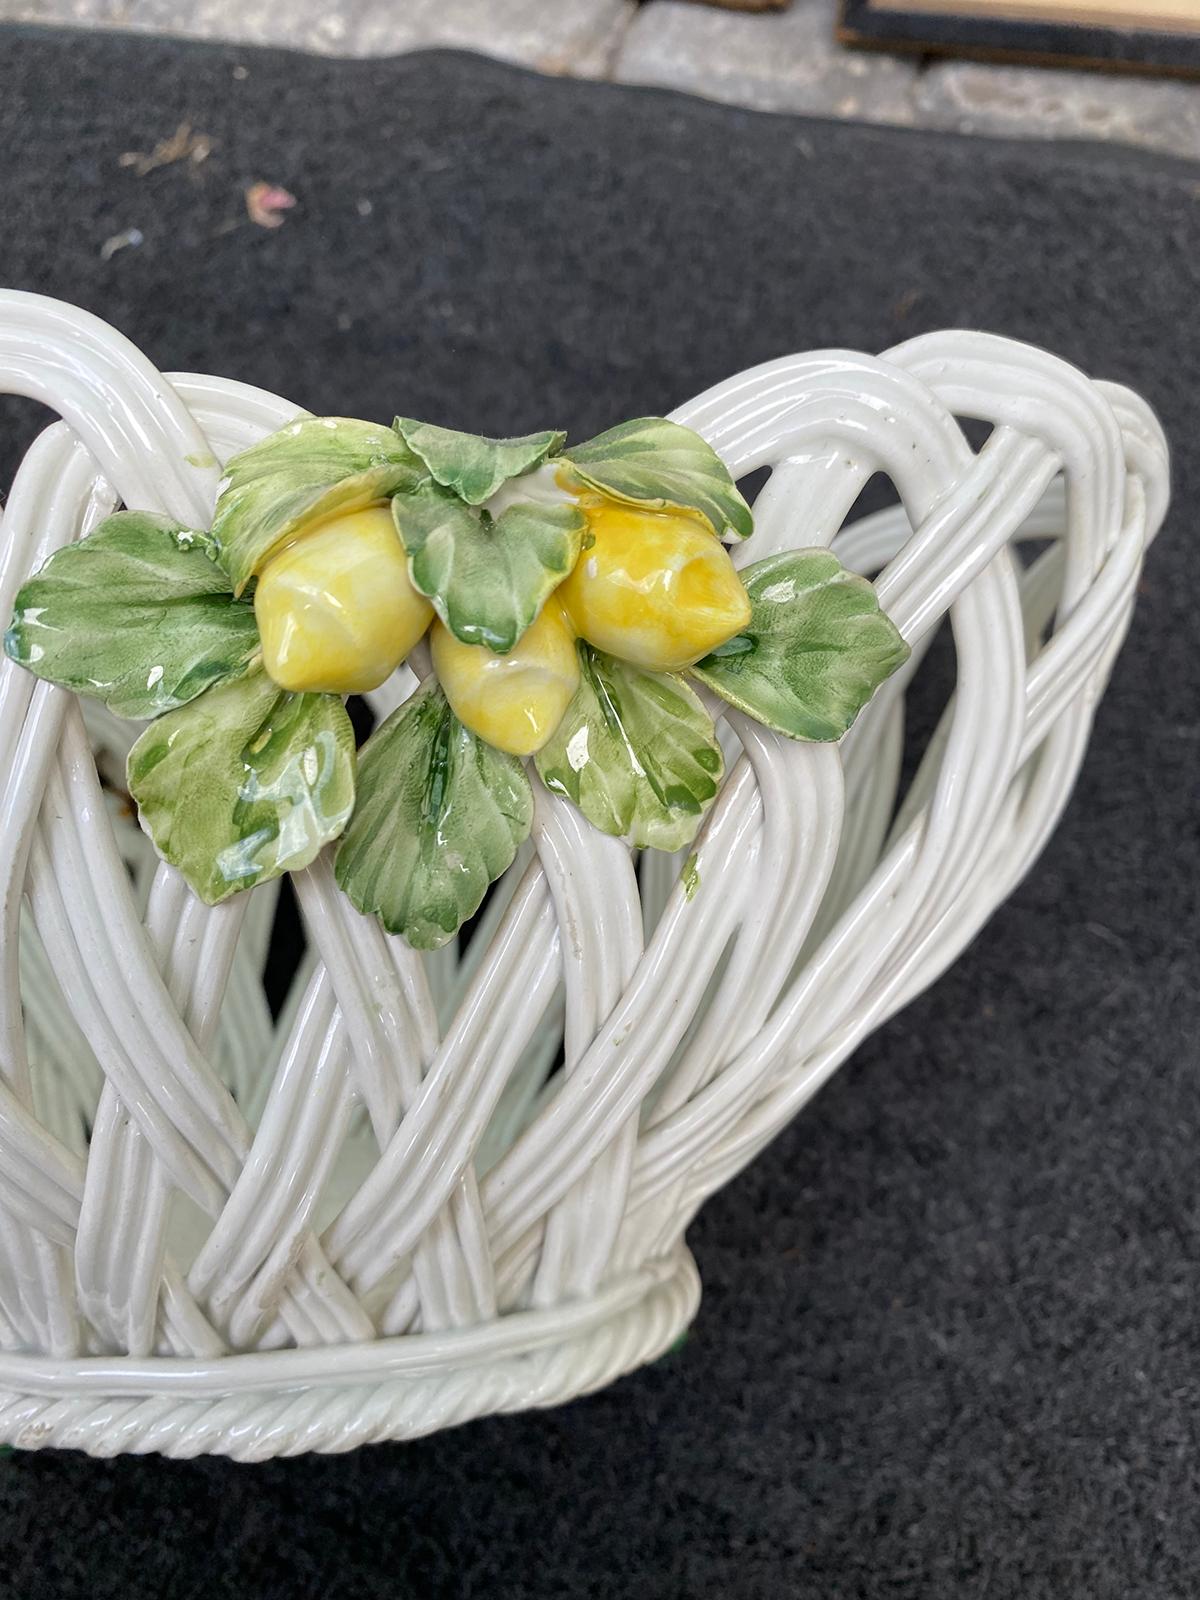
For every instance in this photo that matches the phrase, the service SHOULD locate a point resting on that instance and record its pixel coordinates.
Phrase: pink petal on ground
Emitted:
(266, 202)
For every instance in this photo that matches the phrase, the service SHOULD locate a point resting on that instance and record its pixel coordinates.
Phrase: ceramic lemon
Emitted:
(654, 588)
(336, 609)
(514, 701)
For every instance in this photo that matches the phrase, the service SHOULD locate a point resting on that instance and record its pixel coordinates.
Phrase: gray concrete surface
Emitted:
(1040, 102)
(566, 36)
(778, 61)
(785, 61)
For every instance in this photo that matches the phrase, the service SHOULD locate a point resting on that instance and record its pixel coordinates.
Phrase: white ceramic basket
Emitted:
(389, 1212)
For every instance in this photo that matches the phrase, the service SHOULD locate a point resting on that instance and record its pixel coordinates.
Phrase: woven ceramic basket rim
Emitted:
(387, 1213)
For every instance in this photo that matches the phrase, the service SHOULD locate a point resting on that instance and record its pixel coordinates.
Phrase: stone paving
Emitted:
(567, 36)
(786, 61)
(790, 61)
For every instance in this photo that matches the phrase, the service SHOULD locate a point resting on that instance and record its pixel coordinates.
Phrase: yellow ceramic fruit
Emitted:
(655, 588)
(336, 609)
(514, 701)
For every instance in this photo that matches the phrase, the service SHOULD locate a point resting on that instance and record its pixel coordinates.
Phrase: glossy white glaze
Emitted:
(393, 1222)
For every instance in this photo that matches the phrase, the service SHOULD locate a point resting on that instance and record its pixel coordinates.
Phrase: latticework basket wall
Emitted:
(440, 1186)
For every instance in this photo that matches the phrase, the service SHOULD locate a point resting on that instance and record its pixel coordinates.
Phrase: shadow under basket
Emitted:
(435, 1186)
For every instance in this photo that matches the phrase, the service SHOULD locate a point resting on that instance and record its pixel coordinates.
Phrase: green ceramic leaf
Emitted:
(312, 468)
(487, 579)
(474, 467)
(135, 615)
(440, 815)
(245, 783)
(636, 752)
(657, 463)
(815, 651)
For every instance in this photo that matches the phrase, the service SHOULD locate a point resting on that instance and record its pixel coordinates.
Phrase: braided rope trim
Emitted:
(258, 1424)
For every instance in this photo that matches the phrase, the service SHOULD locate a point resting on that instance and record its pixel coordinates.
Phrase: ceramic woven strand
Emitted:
(441, 1185)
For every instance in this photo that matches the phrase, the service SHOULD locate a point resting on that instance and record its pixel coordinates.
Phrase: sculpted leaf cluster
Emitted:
(555, 599)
